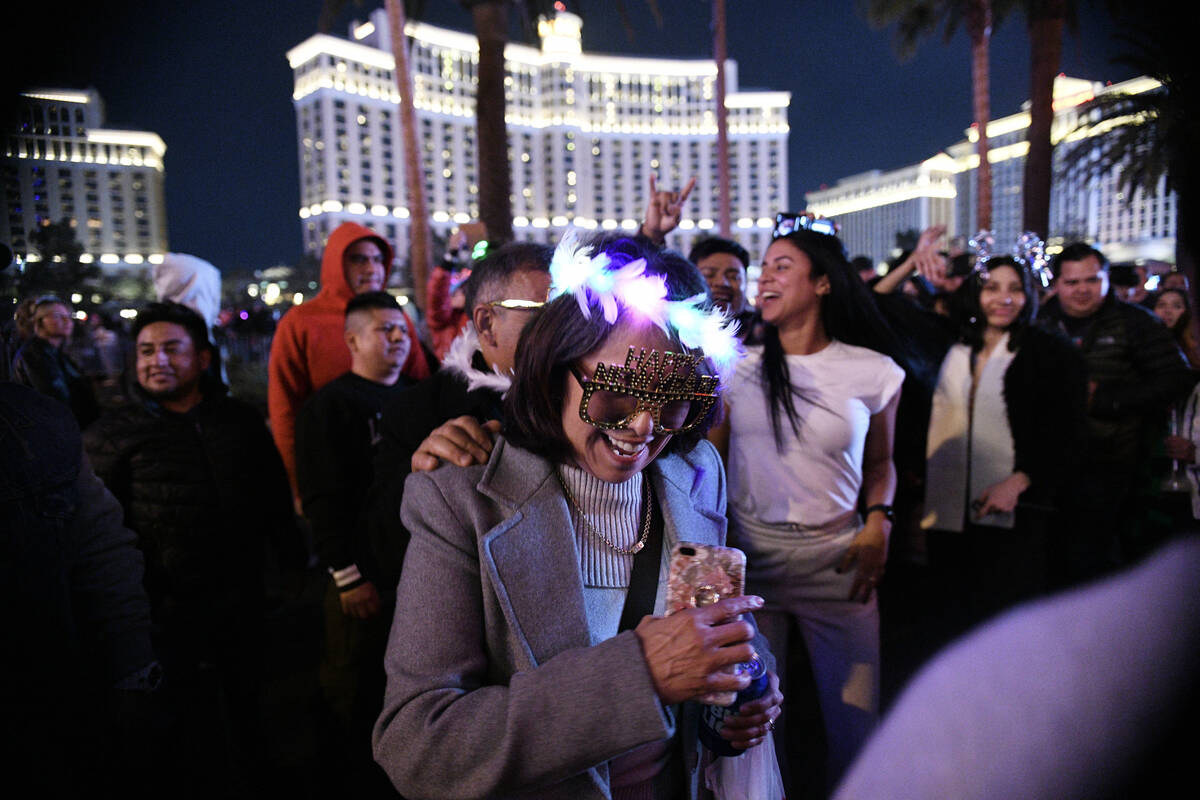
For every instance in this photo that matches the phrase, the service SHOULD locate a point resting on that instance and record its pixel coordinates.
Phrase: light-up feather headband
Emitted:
(575, 270)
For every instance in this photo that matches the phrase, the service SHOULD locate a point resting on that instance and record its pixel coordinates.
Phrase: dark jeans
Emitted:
(212, 686)
(352, 681)
(1113, 517)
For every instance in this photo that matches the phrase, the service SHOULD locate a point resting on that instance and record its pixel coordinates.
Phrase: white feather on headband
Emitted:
(460, 357)
(575, 270)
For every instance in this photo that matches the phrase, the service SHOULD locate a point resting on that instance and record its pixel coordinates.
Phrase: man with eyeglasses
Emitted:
(308, 352)
(505, 290)
(464, 440)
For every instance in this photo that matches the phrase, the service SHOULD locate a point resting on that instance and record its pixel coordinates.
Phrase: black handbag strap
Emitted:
(643, 580)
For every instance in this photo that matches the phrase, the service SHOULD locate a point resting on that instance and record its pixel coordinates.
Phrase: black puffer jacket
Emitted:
(204, 491)
(1138, 371)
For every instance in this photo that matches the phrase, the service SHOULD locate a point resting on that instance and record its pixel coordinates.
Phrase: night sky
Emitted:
(212, 79)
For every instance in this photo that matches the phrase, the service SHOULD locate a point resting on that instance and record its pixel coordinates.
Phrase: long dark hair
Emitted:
(849, 314)
(1182, 330)
(561, 335)
(1185, 319)
(967, 314)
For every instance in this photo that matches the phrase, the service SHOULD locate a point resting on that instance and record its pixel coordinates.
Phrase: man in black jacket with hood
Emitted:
(204, 489)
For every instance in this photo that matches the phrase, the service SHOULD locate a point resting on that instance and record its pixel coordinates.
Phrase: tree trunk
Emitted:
(723, 212)
(1185, 253)
(491, 132)
(420, 240)
(979, 26)
(1046, 18)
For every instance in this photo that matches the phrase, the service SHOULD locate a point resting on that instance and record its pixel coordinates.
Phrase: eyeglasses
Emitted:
(610, 405)
(516, 304)
(790, 222)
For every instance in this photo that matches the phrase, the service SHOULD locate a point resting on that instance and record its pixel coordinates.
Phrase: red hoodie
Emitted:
(308, 350)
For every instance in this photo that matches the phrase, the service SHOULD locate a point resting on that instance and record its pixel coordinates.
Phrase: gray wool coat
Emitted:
(493, 689)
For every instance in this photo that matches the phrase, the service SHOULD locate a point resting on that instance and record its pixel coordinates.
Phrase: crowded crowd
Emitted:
(490, 499)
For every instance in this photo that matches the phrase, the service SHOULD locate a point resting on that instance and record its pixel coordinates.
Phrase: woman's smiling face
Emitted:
(614, 455)
(787, 290)
(1002, 297)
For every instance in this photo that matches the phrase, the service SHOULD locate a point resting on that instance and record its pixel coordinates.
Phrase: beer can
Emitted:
(712, 718)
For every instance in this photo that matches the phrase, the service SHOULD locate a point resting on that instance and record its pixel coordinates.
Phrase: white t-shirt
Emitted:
(816, 478)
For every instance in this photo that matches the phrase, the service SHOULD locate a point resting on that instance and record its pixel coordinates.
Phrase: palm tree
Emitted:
(1045, 19)
(918, 19)
(490, 19)
(718, 26)
(1151, 136)
(420, 238)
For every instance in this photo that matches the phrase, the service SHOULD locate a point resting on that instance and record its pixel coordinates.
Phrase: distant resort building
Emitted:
(60, 162)
(585, 132)
(873, 207)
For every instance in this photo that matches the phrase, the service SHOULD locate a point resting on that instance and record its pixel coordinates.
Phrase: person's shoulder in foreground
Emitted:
(1088, 694)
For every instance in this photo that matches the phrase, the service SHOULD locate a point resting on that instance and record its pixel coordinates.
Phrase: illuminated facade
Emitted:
(585, 131)
(60, 163)
(872, 208)
(1138, 227)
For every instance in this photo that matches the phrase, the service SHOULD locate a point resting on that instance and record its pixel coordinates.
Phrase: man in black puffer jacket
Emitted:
(1136, 371)
(204, 489)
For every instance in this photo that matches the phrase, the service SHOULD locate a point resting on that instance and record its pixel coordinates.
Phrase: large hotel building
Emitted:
(1127, 227)
(585, 132)
(61, 163)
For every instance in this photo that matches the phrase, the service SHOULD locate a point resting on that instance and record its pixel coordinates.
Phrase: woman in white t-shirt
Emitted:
(808, 445)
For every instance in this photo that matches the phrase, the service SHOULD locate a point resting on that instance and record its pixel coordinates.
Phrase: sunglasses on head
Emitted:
(516, 304)
(790, 222)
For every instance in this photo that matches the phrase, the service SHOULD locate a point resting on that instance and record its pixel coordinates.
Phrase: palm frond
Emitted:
(1121, 133)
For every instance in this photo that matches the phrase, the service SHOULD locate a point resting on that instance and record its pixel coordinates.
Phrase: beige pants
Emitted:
(794, 571)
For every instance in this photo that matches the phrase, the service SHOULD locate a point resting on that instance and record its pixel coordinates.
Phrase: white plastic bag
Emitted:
(754, 775)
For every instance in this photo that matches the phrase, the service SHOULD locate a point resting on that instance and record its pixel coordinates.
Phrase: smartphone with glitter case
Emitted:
(700, 575)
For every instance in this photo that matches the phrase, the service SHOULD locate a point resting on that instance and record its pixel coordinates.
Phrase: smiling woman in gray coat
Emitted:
(530, 655)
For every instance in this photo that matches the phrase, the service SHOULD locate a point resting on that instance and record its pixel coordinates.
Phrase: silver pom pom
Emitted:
(1032, 250)
(982, 243)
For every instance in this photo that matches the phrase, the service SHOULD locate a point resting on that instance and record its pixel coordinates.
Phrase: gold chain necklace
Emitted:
(640, 543)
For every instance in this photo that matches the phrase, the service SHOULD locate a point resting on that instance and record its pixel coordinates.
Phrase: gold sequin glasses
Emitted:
(664, 384)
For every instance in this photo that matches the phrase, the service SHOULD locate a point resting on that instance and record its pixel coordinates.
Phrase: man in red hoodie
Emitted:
(308, 350)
